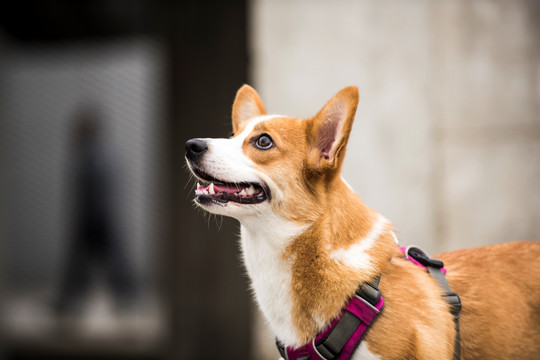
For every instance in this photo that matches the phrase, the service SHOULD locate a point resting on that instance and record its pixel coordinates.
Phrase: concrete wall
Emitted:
(446, 142)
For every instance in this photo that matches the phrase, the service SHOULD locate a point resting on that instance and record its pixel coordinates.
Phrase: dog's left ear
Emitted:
(247, 105)
(328, 131)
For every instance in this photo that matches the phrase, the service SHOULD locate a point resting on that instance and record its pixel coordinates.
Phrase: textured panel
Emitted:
(43, 90)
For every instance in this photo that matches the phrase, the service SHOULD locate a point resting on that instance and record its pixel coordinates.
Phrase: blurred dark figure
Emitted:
(95, 243)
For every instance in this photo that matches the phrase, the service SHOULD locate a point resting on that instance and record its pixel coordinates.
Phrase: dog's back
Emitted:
(499, 287)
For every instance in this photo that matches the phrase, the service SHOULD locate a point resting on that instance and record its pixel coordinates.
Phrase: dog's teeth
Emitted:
(211, 189)
(205, 192)
(198, 185)
(243, 192)
(250, 190)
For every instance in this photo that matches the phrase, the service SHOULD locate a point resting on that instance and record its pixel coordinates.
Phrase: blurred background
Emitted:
(102, 255)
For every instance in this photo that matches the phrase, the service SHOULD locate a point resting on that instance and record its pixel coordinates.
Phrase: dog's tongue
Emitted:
(229, 189)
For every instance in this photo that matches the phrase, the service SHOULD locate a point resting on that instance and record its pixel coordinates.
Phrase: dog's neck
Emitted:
(302, 275)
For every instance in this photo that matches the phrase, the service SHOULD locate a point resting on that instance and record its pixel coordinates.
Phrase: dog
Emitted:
(308, 242)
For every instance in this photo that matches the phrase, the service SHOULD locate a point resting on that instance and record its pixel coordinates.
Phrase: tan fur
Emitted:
(499, 285)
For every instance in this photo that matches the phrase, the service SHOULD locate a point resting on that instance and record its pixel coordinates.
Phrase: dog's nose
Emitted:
(195, 148)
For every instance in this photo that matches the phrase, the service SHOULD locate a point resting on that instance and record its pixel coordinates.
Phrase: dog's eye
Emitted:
(264, 142)
(231, 135)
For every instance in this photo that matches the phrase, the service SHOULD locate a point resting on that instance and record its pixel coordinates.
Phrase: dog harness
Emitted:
(339, 340)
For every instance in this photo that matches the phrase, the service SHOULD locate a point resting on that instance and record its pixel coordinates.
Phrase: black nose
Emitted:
(195, 148)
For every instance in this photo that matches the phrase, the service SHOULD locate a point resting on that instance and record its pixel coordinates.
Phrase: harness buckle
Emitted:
(370, 293)
(423, 258)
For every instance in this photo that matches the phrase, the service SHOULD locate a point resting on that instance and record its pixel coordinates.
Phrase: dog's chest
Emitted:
(270, 272)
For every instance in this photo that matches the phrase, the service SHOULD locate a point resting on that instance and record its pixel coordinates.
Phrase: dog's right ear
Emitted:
(247, 105)
(329, 130)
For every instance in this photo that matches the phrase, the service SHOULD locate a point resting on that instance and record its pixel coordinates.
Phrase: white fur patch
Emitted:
(264, 238)
(356, 255)
(363, 353)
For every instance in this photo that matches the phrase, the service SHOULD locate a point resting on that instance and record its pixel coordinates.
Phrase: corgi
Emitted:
(308, 241)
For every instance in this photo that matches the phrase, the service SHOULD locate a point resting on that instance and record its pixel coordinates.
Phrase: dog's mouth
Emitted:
(213, 190)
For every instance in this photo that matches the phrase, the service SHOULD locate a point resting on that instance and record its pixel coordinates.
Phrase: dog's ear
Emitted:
(328, 132)
(247, 105)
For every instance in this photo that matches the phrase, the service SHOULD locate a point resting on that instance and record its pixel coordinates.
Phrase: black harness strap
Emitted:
(281, 349)
(434, 267)
(334, 343)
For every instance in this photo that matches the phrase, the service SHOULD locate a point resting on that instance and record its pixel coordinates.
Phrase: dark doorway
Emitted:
(158, 73)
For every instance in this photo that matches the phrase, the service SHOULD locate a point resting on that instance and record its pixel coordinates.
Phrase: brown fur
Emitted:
(499, 286)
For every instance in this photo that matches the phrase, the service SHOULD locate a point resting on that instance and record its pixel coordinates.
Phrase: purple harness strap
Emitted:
(363, 314)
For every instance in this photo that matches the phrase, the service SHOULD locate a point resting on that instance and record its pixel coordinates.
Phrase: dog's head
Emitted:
(273, 162)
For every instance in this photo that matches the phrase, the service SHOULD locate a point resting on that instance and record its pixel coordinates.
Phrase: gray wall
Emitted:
(446, 142)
